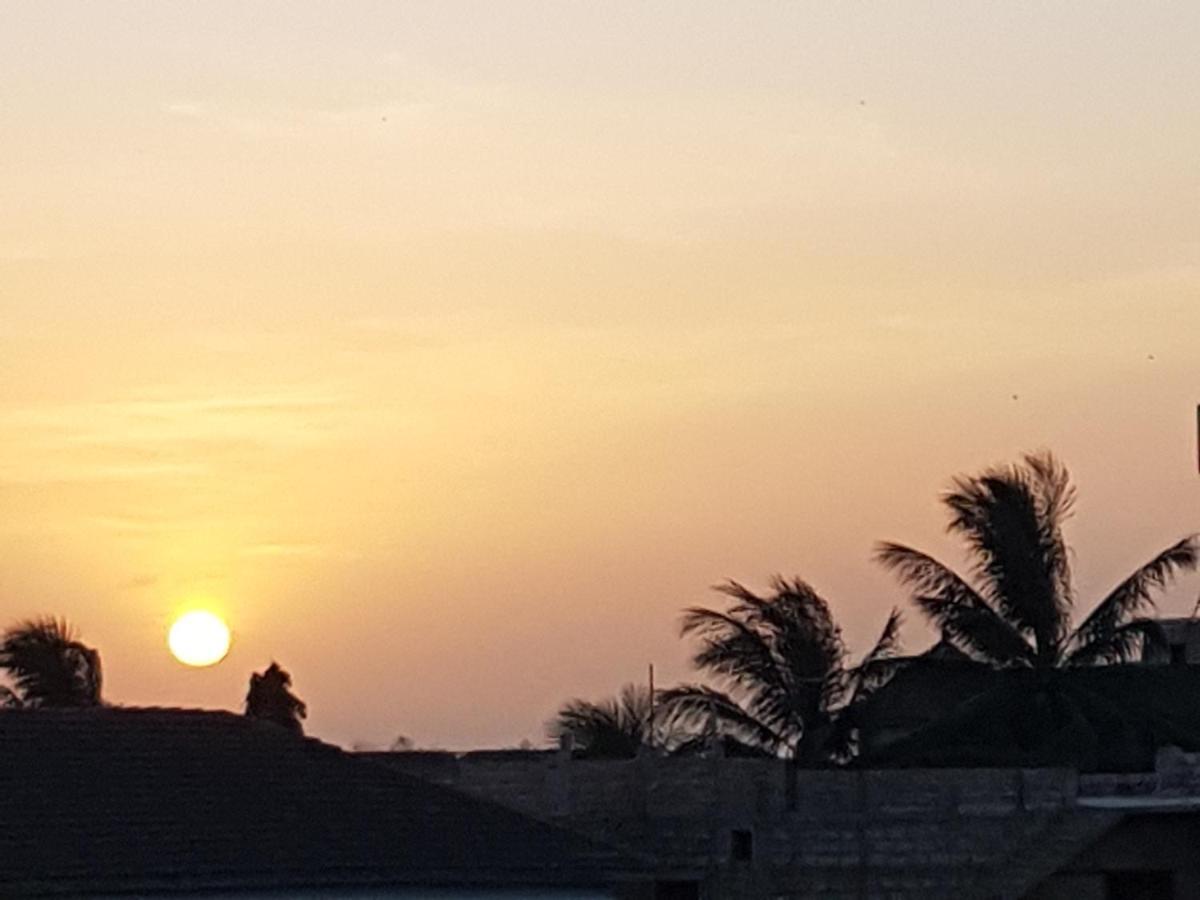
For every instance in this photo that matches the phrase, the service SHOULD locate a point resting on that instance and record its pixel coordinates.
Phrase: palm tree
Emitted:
(781, 660)
(614, 728)
(271, 699)
(1016, 608)
(49, 666)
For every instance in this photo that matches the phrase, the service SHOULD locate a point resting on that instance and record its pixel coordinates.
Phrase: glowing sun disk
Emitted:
(198, 639)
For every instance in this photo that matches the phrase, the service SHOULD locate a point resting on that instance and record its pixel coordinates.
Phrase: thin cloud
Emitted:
(81, 472)
(296, 551)
(284, 550)
(297, 121)
(143, 526)
(140, 583)
(188, 109)
(163, 437)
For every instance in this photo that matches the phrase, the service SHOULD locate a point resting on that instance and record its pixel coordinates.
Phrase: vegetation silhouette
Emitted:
(1029, 687)
(1018, 611)
(616, 727)
(49, 666)
(270, 699)
(1109, 718)
(788, 687)
(1014, 618)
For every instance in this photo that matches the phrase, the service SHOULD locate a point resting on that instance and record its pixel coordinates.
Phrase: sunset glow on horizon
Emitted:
(456, 348)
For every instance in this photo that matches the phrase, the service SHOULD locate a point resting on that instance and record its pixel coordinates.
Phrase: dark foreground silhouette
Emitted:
(784, 686)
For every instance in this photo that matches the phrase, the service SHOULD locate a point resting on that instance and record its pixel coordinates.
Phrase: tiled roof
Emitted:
(135, 799)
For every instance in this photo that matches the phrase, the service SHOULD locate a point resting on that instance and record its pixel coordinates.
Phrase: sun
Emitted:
(199, 638)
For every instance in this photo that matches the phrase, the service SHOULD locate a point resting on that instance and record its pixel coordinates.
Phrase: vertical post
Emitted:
(864, 848)
(791, 786)
(650, 730)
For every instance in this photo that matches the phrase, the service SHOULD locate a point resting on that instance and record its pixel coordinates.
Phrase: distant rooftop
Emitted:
(127, 800)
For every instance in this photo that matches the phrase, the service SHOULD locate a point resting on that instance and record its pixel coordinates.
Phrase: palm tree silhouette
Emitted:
(616, 727)
(1017, 611)
(49, 666)
(783, 663)
(271, 699)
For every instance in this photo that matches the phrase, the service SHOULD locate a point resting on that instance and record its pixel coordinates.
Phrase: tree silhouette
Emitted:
(616, 727)
(1017, 611)
(781, 660)
(271, 699)
(49, 666)
(402, 744)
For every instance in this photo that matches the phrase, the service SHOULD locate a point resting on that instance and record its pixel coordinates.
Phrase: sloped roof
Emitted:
(926, 687)
(134, 799)
(1099, 718)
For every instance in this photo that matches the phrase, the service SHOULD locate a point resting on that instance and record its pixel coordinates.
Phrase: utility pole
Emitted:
(650, 724)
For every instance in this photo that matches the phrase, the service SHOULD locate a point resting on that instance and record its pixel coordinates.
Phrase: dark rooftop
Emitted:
(169, 799)
(1100, 718)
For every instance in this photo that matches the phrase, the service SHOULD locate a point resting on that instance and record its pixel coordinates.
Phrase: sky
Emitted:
(449, 350)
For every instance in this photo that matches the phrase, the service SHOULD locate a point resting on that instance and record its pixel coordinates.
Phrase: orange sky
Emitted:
(448, 352)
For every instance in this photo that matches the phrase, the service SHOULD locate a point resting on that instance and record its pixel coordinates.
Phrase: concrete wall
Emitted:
(385, 894)
(851, 834)
(814, 832)
(553, 785)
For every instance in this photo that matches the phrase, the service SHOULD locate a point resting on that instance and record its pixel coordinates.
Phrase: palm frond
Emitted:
(962, 615)
(1125, 643)
(806, 636)
(613, 727)
(881, 661)
(873, 671)
(694, 744)
(842, 744)
(1133, 595)
(782, 667)
(780, 655)
(1056, 495)
(1011, 519)
(715, 713)
(733, 648)
(49, 665)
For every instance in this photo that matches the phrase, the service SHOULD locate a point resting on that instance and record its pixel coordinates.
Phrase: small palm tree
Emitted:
(49, 666)
(1016, 610)
(271, 699)
(781, 660)
(615, 728)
